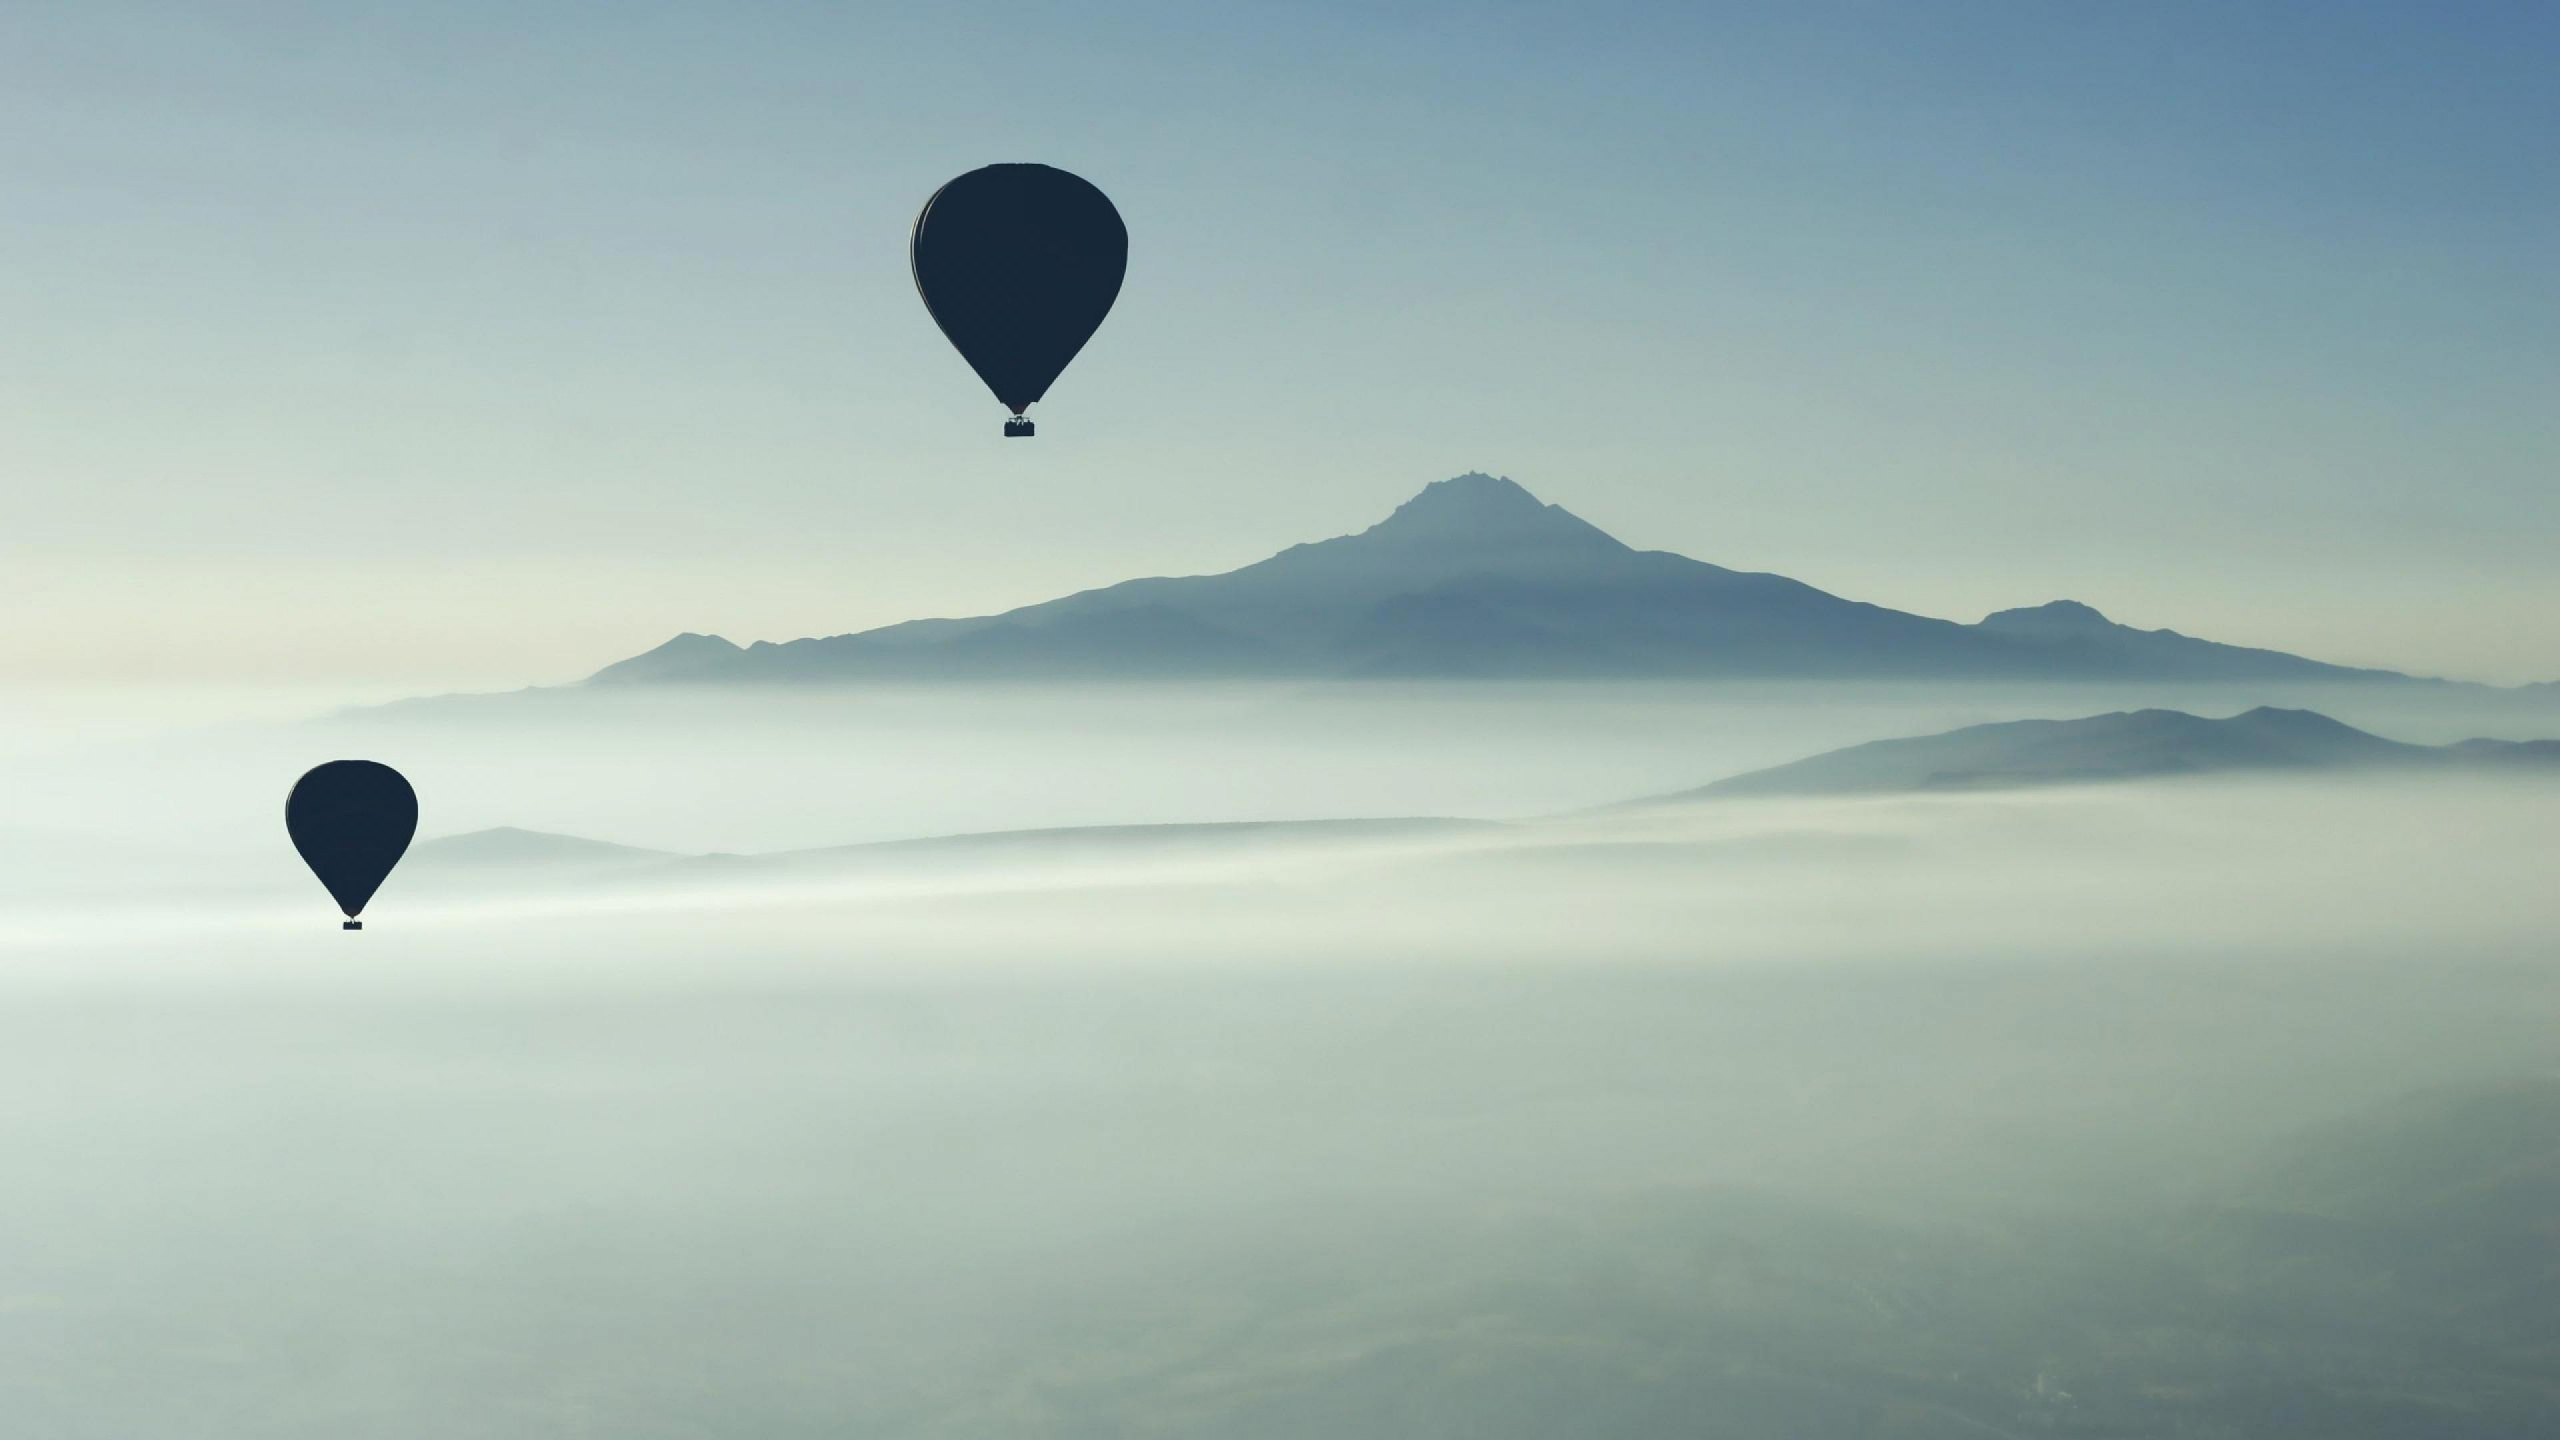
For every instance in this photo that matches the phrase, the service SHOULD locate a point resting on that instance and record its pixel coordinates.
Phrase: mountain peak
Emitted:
(694, 642)
(2298, 722)
(1476, 509)
(1476, 487)
(684, 653)
(2051, 616)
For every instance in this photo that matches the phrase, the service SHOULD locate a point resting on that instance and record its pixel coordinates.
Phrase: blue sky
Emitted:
(490, 342)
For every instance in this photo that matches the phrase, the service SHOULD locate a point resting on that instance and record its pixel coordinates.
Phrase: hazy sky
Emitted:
(486, 343)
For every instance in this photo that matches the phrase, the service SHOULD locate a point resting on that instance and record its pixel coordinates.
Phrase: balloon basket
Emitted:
(352, 925)
(1016, 428)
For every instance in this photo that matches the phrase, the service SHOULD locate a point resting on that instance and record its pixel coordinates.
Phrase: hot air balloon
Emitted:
(1018, 264)
(352, 820)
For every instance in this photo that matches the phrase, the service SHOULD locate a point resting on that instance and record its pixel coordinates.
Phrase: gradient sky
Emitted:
(487, 343)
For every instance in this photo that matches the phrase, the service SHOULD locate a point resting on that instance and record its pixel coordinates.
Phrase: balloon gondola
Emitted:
(1018, 264)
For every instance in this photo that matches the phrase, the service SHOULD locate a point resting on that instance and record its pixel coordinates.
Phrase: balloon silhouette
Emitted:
(1018, 264)
(352, 821)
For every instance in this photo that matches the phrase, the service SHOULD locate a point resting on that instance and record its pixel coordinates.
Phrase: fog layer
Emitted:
(2137, 1109)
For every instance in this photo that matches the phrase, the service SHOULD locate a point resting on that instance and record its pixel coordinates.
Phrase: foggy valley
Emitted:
(2074, 1108)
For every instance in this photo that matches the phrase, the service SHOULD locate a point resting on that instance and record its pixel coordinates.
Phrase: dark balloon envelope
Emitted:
(1018, 264)
(352, 820)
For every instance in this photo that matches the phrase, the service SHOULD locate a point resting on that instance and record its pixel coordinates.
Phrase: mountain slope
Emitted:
(2126, 745)
(1473, 577)
(2084, 642)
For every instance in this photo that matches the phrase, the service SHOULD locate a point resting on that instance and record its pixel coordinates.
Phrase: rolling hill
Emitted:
(543, 857)
(2125, 745)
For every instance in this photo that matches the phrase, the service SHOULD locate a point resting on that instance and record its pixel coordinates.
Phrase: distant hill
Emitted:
(507, 847)
(533, 854)
(1475, 578)
(2126, 745)
(1129, 840)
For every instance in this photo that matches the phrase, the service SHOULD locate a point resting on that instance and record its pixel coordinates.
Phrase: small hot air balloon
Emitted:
(352, 820)
(1018, 264)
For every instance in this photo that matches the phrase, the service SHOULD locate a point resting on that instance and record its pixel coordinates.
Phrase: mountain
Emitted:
(2126, 745)
(1474, 578)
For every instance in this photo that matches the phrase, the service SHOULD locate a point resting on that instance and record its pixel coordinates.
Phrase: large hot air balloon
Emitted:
(1018, 264)
(352, 821)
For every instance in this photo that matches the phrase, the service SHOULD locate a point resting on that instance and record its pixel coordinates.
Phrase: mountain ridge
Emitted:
(1475, 577)
(2121, 745)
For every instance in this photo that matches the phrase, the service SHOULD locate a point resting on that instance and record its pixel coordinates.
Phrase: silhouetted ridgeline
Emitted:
(1476, 578)
(2128, 745)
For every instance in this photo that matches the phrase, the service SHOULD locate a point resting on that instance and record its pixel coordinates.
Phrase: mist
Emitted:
(1893, 1115)
(785, 767)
